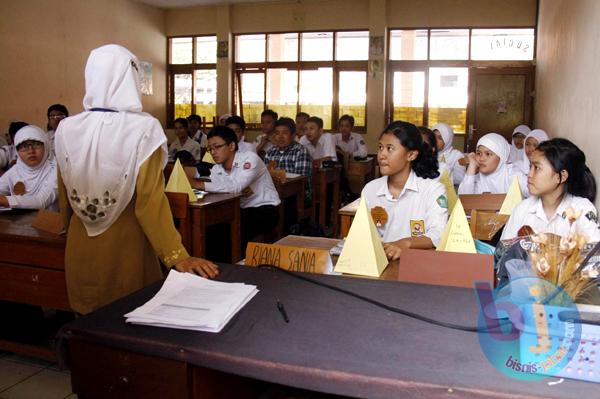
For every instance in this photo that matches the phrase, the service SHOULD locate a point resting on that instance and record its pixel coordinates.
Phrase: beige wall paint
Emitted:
(567, 78)
(45, 44)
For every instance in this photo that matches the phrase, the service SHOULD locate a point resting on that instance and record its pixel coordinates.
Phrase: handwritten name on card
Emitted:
(296, 259)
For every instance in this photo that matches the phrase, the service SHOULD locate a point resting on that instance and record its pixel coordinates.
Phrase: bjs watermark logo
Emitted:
(527, 328)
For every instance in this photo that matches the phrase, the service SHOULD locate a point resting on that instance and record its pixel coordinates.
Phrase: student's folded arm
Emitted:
(4, 157)
(362, 149)
(41, 200)
(228, 184)
(437, 215)
(467, 186)
(304, 164)
(5, 184)
(154, 213)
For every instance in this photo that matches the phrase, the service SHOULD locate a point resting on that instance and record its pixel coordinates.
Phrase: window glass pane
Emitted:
(205, 97)
(250, 48)
(448, 92)
(352, 46)
(449, 44)
(317, 46)
(502, 44)
(183, 95)
(409, 96)
(282, 91)
(253, 96)
(181, 50)
(206, 50)
(283, 47)
(408, 44)
(316, 94)
(352, 95)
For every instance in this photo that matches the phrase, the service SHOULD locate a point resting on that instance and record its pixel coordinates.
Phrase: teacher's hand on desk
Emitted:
(198, 266)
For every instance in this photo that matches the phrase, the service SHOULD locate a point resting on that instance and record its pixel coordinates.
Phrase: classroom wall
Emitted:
(567, 79)
(374, 15)
(44, 45)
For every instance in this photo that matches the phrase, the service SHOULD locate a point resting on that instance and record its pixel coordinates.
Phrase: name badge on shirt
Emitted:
(379, 215)
(19, 188)
(417, 228)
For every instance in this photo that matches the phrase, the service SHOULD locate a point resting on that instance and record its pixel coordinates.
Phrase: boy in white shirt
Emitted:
(263, 142)
(196, 133)
(319, 145)
(245, 173)
(184, 142)
(301, 118)
(347, 141)
(8, 153)
(238, 125)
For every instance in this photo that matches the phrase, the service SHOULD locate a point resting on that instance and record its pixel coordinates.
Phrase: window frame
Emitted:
(239, 68)
(424, 65)
(177, 69)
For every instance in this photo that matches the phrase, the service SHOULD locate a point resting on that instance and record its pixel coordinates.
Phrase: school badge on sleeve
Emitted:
(247, 165)
(442, 201)
(417, 228)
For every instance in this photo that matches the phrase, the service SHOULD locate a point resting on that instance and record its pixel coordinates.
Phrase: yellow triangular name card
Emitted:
(512, 199)
(363, 252)
(179, 183)
(450, 192)
(208, 158)
(457, 235)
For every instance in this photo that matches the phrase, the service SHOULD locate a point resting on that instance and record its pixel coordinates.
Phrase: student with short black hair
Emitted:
(347, 141)
(301, 118)
(562, 189)
(238, 125)
(409, 206)
(183, 142)
(8, 153)
(263, 142)
(32, 183)
(289, 155)
(195, 130)
(320, 145)
(245, 173)
(56, 113)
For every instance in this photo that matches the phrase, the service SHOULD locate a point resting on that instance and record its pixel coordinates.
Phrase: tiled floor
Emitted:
(28, 378)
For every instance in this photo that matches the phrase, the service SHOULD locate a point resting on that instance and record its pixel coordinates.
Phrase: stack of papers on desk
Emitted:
(190, 302)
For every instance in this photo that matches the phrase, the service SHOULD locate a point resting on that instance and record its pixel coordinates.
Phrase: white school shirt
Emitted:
(46, 196)
(355, 144)
(8, 153)
(325, 147)
(190, 146)
(267, 146)
(471, 185)
(421, 208)
(200, 138)
(530, 212)
(244, 146)
(249, 176)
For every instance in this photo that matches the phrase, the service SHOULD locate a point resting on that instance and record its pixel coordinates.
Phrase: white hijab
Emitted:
(517, 154)
(447, 135)
(499, 180)
(100, 152)
(38, 176)
(540, 136)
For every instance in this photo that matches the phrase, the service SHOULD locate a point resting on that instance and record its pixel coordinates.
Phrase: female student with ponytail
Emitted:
(409, 206)
(562, 187)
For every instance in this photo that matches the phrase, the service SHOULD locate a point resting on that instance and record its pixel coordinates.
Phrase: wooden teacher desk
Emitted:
(333, 343)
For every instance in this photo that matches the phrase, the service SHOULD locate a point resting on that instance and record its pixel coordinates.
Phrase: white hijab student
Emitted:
(517, 145)
(32, 182)
(488, 171)
(532, 141)
(448, 154)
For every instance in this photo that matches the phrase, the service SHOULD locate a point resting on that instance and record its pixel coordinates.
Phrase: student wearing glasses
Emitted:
(245, 173)
(56, 113)
(32, 182)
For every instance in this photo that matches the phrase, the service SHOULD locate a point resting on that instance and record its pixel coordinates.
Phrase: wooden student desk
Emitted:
(32, 270)
(292, 187)
(323, 178)
(215, 208)
(333, 344)
(347, 216)
(360, 173)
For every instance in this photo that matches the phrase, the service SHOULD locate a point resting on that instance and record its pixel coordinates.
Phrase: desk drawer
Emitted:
(32, 253)
(36, 286)
(101, 372)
